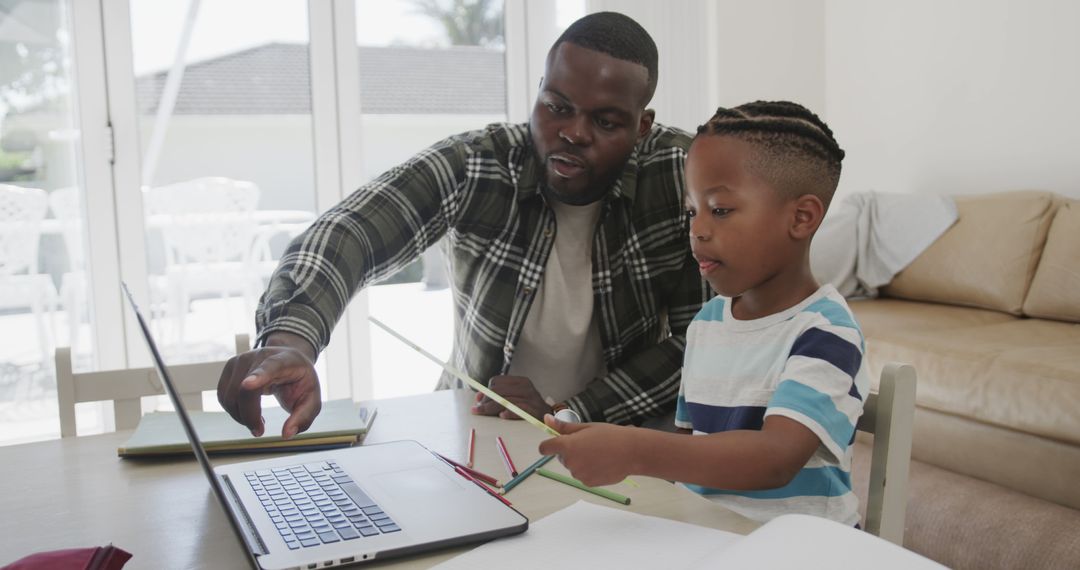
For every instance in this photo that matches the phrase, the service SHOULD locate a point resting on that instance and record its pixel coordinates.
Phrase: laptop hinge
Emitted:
(249, 533)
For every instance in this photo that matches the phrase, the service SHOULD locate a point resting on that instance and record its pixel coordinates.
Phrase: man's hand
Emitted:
(284, 367)
(519, 390)
(595, 453)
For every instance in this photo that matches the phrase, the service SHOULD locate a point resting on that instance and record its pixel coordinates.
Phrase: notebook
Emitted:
(341, 423)
(329, 508)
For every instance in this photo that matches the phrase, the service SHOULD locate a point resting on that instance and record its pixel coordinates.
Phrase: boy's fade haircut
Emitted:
(617, 35)
(797, 151)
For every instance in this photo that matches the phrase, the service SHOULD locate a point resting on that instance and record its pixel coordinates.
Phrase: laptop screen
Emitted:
(185, 421)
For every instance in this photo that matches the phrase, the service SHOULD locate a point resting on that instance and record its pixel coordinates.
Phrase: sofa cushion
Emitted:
(882, 316)
(1055, 290)
(987, 259)
(1023, 374)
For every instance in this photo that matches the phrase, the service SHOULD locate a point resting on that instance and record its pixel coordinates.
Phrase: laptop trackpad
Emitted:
(412, 484)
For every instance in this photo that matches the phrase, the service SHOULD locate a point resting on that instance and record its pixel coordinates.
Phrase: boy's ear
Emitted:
(645, 124)
(809, 211)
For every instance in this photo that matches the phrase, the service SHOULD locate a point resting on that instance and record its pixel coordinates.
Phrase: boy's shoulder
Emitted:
(832, 308)
(712, 311)
(825, 308)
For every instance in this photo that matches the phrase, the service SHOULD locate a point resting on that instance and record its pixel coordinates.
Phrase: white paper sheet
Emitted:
(814, 543)
(585, 535)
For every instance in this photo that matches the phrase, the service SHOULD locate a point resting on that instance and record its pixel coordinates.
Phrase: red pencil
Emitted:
(472, 448)
(506, 457)
(491, 492)
(481, 476)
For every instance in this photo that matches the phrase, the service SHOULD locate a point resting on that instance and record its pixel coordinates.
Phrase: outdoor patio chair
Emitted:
(21, 285)
(208, 231)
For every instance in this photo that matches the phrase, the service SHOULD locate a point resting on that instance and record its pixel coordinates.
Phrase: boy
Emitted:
(773, 381)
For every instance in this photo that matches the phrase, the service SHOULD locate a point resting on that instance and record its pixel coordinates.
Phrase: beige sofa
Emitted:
(989, 315)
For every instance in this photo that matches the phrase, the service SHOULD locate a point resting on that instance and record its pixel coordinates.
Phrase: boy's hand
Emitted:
(595, 453)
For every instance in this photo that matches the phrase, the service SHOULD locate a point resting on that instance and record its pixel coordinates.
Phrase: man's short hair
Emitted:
(797, 153)
(616, 35)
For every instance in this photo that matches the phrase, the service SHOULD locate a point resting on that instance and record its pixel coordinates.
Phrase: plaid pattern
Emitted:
(482, 190)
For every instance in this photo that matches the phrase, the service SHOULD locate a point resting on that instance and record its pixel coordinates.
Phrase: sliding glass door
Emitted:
(44, 276)
(178, 145)
(227, 160)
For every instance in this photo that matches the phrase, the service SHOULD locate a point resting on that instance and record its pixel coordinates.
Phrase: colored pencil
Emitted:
(489, 490)
(472, 448)
(524, 474)
(477, 474)
(467, 380)
(575, 483)
(506, 456)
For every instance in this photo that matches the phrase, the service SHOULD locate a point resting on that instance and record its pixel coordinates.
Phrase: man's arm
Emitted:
(377, 230)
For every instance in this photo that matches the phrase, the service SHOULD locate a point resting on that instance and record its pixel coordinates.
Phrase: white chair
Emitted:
(21, 286)
(208, 230)
(888, 415)
(126, 387)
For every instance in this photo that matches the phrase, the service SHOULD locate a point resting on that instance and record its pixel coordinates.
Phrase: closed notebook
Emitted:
(340, 423)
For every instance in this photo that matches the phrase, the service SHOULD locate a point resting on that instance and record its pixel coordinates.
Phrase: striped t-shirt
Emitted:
(806, 364)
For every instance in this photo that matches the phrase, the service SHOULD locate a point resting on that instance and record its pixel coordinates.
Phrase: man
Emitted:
(568, 253)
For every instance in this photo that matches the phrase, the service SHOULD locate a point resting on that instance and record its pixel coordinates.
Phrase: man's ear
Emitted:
(645, 125)
(809, 210)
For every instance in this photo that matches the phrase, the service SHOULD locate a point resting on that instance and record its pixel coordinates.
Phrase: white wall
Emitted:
(727, 52)
(770, 50)
(955, 97)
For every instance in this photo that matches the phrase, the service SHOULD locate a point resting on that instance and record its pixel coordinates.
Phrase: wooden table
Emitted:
(76, 492)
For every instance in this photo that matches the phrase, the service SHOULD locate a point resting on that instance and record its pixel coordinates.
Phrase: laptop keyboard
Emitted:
(317, 503)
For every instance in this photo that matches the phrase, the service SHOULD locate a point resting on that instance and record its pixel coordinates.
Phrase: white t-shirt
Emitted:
(559, 348)
(804, 363)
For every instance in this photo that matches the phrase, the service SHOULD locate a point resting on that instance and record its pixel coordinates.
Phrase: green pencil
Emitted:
(575, 483)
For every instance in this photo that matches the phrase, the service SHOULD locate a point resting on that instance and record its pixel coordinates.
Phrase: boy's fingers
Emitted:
(551, 446)
(561, 426)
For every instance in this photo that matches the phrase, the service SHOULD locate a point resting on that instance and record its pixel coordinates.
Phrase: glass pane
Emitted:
(43, 275)
(428, 69)
(224, 115)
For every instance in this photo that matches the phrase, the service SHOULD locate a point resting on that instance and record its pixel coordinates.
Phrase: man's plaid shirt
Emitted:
(482, 189)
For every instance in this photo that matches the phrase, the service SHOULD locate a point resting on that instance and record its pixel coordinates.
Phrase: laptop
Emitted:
(345, 506)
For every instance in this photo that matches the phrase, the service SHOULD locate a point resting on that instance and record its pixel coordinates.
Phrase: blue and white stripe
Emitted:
(804, 363)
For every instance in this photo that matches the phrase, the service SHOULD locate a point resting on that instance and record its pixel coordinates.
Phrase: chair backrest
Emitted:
(205, 220)
(21, 212)
(889, 415)
(126, 387)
